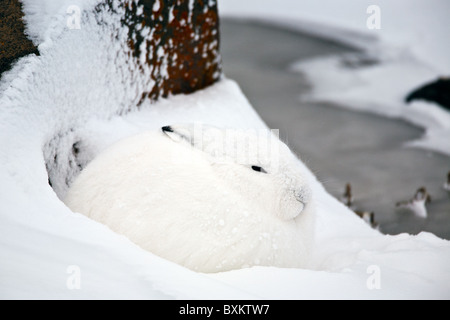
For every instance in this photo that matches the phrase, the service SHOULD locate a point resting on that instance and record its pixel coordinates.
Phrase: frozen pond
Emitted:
(340, 146)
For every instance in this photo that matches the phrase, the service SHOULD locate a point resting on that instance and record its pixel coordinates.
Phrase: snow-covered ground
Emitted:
(408, 51)
(47, 251)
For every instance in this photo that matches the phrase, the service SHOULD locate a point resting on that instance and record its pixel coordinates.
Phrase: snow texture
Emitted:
(408, 51)
(70, 102)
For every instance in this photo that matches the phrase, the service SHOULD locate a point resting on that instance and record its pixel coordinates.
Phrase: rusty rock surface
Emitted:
(178, 40)
(183, 45)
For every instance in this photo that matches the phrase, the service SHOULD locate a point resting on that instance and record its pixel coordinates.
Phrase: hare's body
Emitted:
(174, 200)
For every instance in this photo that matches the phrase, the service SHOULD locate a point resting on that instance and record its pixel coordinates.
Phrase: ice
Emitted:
(409, 50)
(379, 89)
(413, 24)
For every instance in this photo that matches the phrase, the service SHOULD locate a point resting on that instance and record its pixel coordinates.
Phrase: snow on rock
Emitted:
(42, 16)
(417, 204)
(55, 109)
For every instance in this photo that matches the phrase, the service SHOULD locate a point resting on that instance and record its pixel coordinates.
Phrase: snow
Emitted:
(42, 16)
(408, 51)
(74, 92)
(156, 6)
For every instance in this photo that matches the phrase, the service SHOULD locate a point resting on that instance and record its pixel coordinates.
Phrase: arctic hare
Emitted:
(208, 199)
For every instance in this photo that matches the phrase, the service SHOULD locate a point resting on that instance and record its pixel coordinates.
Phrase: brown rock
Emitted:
(188, 39)
(14, 44)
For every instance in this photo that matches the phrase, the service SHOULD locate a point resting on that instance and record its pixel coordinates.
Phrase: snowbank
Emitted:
(408, 51)
(41, 241)
(41, 238)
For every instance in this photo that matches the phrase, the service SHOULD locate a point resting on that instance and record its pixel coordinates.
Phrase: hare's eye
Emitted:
(258, 169)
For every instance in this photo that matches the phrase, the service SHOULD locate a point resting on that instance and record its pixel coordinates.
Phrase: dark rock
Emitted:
(14, 44)
(437, 91)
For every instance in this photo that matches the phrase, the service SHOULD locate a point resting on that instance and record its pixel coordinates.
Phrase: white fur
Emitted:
(175, 199)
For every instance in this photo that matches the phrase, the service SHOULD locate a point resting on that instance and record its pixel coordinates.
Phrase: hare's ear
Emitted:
(180, 133)
(204, 138)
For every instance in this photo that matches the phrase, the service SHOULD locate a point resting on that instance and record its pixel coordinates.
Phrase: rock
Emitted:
(447, 183)
(183, 49)
(347, 197)
(437, 91)
(14, 44)
(417, 204)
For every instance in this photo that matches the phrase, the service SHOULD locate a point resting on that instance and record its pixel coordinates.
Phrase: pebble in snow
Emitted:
(447, 184)
(418, 203)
